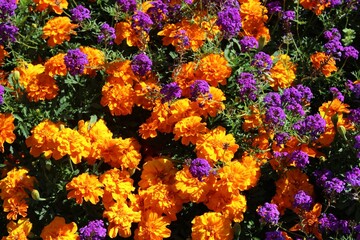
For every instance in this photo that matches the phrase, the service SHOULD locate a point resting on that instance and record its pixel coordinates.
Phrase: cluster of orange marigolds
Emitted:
(163, 189)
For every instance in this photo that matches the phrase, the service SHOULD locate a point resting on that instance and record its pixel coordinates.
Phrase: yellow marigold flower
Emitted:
(152, 227)
(55, 66)
(56, 5)
(210, 107)
(85, 187)
(191, 189)
(70, 142)
(119, 98)
(189, 129)
(331, 108)
(216, 146)
(317, 6)
(288, 185)
(146, 91)
(3, 54)
(28, 72)
(123, 30)
(232, 205)
(41, 139)
(175, 33)
(15, 183)
(324, 63)
(283, 72)
(118, 186)
(120, 72)
(58, 30)
(7, 128)
(58, 229)
(96, 59)
(211, 225)
(120, 217)
(214, 69)
(42, 87)
(18, 230)
(179, 110)
(157, 170)
(122, 153)
(161, 198)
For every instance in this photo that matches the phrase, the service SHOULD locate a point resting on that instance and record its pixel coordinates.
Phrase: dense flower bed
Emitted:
(180, 119)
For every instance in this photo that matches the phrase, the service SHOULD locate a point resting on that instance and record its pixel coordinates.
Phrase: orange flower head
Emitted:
(58, 229)
(55, 66)
(184, 76)
(214, 69)
(7, 128)
(317, 6)
(55, 5)
(324, 63)
(57, 30)
(16, 183)
(120, 72)
(210, 106)
(3, 54)
(96, 60)
(189, 129)
(28, 72)
(42, 87)
(15, 206)
(152, 227)
(252, 120)
(118, 98)
(211, 225)
(85, 187)
(124, 31)
(283, 72)
(18, 230)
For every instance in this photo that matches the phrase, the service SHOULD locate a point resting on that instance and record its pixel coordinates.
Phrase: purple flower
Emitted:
(352, 177)
(351, 52)
(247, 84)
(199, 87)
(332, 34)
(230, 21)
(355, 88)
(295, 108)
(337, 94)
(321, 176)
(328, 222)
(269, 213)
(275, 116)
(170, 92)
(354, 115)
(303, 200)
(291, 95)
(7, 8)
(305, 92)
(199, 168)
(2, 91)
(80, 13)
(281, 138)
(75, 61)
(357, 144)
(312, 126)
(107, 34)
(262, 61)
(343, 226)
(272, 99)
(335, 185)
(274, 235)
(248, 43)
(300, 158)
(334, 47)
(141, 21)
(127, 5)
(141, 64)
(95, 230)
(334, 3)
(288, 16)
(184, 39)
(158, 12)
(274, 7)
(8, 33)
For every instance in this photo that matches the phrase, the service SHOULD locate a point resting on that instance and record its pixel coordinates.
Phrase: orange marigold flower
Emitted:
(310, 222)
(41, 139)
(149, 129)
(157, 170)
(120, 217)
(175, 33)
(16, 184)
(147, 91)
(55, 66)
(324, 63)
(85, 187)
(123, 30)
(283, 72)
(28, 73)
(7, 128)
(252, 120)
(317, 6)
(211, 225)
(56, 5)
(216, 146)
(3, 54)
(288, 185)
(72, 143)
(119, 98)
(191, 189)
(18, 230)
(214, 69)
(58, 30)
(58, 229)
(331, 108)
(42, 87)
(210, 107)
(122, 153)
(189, 129)
(184, 76)
(152, 227)
(15, 206)
(120, 72)
(96, 59)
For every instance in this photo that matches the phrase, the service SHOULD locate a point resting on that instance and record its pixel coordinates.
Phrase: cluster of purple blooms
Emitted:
(303, 201)
(170, 92)
(229, 20)
(95, 230)
(262, 61)
(247, 43)
(107, 34)
(275, 116)
(329, 223)
(274, 235)
(354, 115)
(312, 126)
(298, 157)
(355, 88)
(7, 8)
(247, 84)
(332, 185)
(337, 94)
(199, 88)
(352, 177)
(357, 144)
(199, 168)
(335, 48)
(141, 21)
(158, 12)
(269, 213)
(80, 13)
(75, 61)
(2, 91)
(141, 64)
(127, 5)
(8, 32)
(183, 37)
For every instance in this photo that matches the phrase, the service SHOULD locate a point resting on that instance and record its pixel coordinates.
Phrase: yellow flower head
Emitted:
(58, 229)
(18, 230)
(283, 72)
(55, 66)
(118, 97)
(189, 129)
(152, 227)
(56, 5)
(57, 30)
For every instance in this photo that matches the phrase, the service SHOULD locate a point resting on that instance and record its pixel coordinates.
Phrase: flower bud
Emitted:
(342, 131)
(35, 195)
(16, 75)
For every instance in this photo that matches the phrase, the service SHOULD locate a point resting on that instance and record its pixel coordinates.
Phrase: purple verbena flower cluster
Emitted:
(275, 116)
(357, 144)
(199, 168)
(303, 200)
(95, 230)
(8, 32)
(170, 91)
(337, 94)
(324, 178)
(262, 61)
(274, 235)
(247, 84)
(75, 61)
(354, 115)
(247, 43)
(7, 8)
(352, 177)
(80, 13)
(141, 64)
(107, 34)
(355, 88)
(312, 126)
(330, 223)
(158, 12)
(300, 158)
(127, 5)
(229, 20)
(199, 88)
(2, 91)
(335, 48)
(269, 213)
(274, 7)
(141, 21)
(281, 137)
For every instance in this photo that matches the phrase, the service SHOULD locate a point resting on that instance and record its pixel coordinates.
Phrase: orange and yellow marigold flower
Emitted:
(282, 73)
(59, 229)
(57, 30)
(56, 5)
(152, 227)
(7, 128)
(18, 230)
(189, 129)
(323, 63)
